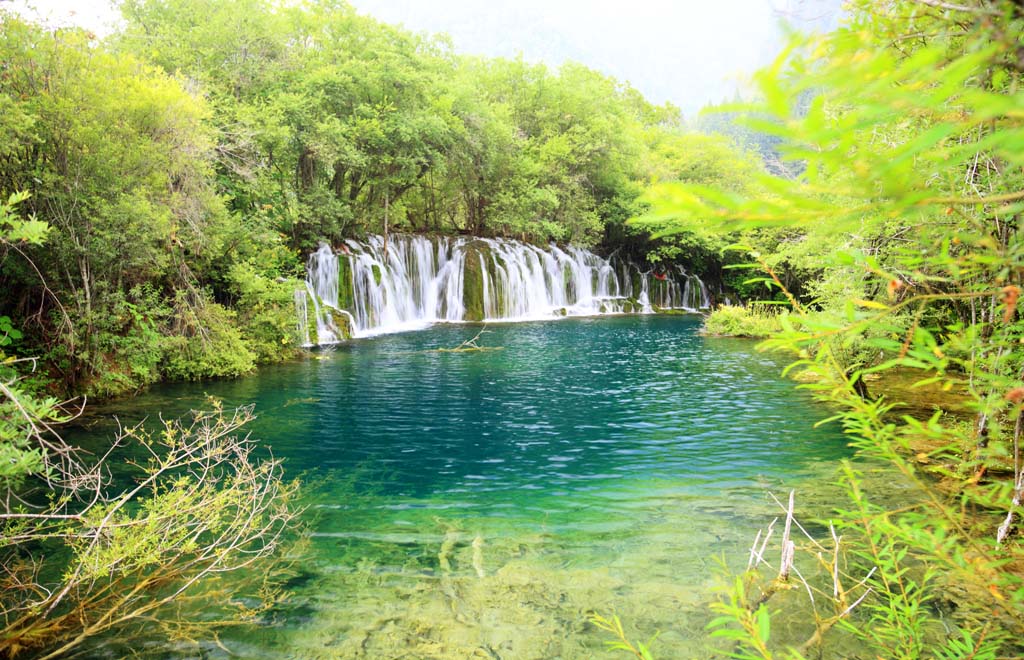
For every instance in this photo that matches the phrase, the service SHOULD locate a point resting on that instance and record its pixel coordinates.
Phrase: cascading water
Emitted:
(522, 282)
(322, 274)
(682, 290)
(695, 292)
(414, 282)
(644, 299)
(418, 280)
(322, 290)
(302, 311)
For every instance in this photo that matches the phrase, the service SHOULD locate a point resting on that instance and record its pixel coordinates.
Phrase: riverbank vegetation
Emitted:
(85, 555)
(753, 321)
(912, 158)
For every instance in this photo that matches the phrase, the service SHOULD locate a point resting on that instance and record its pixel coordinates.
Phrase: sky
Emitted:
(687, 52)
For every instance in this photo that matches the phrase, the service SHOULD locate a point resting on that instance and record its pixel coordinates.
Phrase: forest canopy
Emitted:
(189, 162)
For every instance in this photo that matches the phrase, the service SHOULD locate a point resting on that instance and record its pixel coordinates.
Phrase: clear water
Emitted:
(481, 505)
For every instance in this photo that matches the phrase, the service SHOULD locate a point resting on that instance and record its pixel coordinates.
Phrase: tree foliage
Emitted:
(353, 119)
(118, 157)
(911, 197)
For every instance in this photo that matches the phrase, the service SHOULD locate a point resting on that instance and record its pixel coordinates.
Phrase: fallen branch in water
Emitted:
(469, 345)
(745, 616)
(147, 555)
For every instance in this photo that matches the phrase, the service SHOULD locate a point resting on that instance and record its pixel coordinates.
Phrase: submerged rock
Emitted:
(342, 321)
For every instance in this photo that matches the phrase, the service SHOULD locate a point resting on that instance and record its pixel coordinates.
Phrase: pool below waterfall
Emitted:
(483, 504)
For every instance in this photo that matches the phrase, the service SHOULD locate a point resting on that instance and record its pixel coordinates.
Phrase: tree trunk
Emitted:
(385, 224)
(306, 169)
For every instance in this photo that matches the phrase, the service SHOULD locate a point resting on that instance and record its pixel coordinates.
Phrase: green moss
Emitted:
(637, 280)
(659, 289)
(342, 321)
(314, 338)
(346, 295)
(473, 286)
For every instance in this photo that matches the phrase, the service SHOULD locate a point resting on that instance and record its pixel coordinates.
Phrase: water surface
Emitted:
(482, 504)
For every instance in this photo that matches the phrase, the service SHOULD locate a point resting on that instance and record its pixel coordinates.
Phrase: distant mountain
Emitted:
(689, 53)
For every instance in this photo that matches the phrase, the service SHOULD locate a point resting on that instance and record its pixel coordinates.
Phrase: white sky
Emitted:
(98, 16)
(689, 52)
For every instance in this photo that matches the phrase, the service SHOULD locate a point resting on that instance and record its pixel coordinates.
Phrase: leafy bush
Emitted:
(266, 312)
(145, 560)
(206, 343)
(755, 321)
(128, 343)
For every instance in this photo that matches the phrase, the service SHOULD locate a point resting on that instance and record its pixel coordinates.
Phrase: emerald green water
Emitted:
(480, 505)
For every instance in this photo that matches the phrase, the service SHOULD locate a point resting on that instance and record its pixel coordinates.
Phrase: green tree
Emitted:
(123, 179)
(914, 146)
(21, 415)
(695, 159)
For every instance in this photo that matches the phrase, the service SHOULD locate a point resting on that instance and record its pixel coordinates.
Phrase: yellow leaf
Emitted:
(871, 304)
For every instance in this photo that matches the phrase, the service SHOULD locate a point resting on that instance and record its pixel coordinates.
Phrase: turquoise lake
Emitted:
(484, 504)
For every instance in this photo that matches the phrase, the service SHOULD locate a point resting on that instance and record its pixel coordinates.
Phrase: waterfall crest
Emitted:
(415, 281)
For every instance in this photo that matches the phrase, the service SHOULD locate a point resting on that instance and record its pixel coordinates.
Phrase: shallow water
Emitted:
(481, 504)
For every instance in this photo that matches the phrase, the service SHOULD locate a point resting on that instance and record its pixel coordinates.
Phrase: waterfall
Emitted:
(524, 282)
(322, 290)
(695, 293)
(681, 290)
(302, 311)
(415, 282)
(421, 280)
(644, 299)
(322, 274)
(326, 330)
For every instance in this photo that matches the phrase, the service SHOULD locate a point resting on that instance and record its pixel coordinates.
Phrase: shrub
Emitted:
(94, 559)
(206, 345)
(756, 321)
(266, 312)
